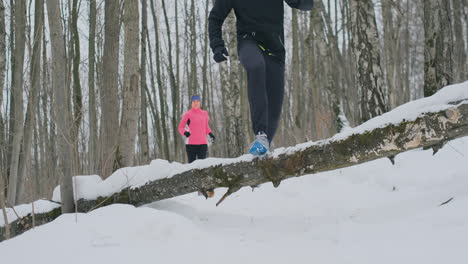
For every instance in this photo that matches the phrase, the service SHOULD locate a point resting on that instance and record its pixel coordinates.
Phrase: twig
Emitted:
(446, 202)
(230, 191)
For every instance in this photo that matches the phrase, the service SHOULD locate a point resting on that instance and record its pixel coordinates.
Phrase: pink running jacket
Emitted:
(198, 126)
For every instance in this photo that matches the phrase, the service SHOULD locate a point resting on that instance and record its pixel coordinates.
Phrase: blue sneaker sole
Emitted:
(258, 149)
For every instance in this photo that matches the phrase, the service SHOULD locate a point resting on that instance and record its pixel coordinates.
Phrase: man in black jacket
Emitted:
(260, 36)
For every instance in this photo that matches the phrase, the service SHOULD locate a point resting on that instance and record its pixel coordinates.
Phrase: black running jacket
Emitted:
(261, 20)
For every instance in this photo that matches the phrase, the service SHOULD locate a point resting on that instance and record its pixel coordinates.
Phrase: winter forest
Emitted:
(91, 86)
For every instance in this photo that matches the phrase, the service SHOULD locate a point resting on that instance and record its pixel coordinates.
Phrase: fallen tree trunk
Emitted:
(428, 130)
(23, 224)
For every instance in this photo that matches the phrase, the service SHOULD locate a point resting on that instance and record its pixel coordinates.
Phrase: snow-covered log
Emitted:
(22, 218)
(428, 130)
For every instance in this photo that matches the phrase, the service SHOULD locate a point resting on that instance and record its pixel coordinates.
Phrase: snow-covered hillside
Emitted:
(370, 213)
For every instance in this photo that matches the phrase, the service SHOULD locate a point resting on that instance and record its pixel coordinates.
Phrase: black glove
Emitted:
(212, 136)
(187, 134)
(220, 54)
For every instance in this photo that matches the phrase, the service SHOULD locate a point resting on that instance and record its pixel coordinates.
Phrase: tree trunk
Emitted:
(3, 145)
(162, 96)
(158, 123)
(235, 137)
(461, 73)
(61, 113)
(174, 87)
(77, 96)
(206, 58)
(25, 157)
(110, 91)
(193, 82)
(93, 126)
(438, 46)
(128, 125)
(295, 80)
(6, 233)
(2, 55)
(390, 52)
(144, 144)
(17, 98)
(365, 45)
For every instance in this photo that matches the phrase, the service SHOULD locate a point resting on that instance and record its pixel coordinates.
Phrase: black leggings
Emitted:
(195, 152)
(265, 76)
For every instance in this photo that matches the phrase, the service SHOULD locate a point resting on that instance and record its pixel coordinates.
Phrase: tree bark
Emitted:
(175, 93)
(109, 93)
(17, 98)
(144, 142)
(6, 231)
(128, 125)
(93, 127)
(61, 110)
(77, 96)
(158, 123)
(3, 145)
(461, 73)
(193, 80)
(161, 122)
(2, 54)
(390, 52)
(438, 70)
(235, 137)
(365, 45)
(25, 157)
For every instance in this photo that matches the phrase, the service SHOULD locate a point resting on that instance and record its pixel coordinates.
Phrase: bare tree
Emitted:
(175, 93)
(459, 47)
(17, 98)
(3, 205)
(109, 93)
(60, 109)
(438, 70)
(2, 52)
(144, 145)
(25, 157)
(76, 91)
(92, 111)
(161, 123)
(128, 125)
(3, 166)
(366, 49)
(3, 169)
(230, 87)
(391, 53)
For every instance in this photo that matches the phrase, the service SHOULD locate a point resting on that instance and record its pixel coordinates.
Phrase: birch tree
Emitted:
(233, 124)
(366, 49)
(438, 68)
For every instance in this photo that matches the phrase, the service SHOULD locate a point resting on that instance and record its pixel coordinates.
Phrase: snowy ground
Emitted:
(370, 213)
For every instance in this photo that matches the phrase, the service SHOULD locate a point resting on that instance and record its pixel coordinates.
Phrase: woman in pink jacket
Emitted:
(196, 120)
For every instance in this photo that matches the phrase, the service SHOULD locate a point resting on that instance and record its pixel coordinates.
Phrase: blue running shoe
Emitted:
(260, 146)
